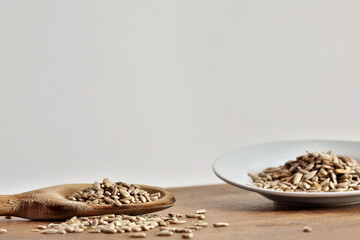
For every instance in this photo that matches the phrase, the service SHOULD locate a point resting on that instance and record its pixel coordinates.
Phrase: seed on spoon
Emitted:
(110, 193)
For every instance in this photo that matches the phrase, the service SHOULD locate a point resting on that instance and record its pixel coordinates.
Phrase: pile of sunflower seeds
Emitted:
(136, 226)
(313, 172)
(110, 193)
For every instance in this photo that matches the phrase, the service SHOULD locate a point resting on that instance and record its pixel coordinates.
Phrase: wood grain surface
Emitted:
(250, 215)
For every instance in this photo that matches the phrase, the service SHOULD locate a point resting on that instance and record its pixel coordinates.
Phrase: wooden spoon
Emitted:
(52, 203)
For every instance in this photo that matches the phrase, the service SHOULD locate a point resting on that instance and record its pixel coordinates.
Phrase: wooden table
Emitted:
(251, 217)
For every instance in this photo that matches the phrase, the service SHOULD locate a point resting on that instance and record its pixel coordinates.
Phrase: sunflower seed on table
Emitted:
(183, 230)
(201, 211)
(221, 224)
(177, 215)
(49, 231)
(201, 224)
(3, 230)
(165, 233)
(193, 227)
(177, 221)
(187, 235)
(118, 224)
(138, 235)
(307, 229)
(41, 227)
(313, 172)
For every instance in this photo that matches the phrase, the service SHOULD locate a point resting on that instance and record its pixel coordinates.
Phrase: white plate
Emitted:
(234, 167)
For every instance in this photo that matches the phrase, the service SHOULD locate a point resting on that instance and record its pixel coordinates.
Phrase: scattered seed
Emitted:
(201, 224)
(191, 215)
(183, 230)
(307, 229)
(187, 235)
(138, 235)
(201, 211)
(2, 230)
(201, 217)
(177, 215)
(172, 229)
(221, 224)
(194, 227)
(49, 231)
(178, 221)
(164, 233)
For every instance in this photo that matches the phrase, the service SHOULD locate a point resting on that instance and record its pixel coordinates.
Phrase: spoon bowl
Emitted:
(51, 203)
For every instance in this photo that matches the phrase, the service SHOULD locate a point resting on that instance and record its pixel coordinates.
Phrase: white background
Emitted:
(153, 91)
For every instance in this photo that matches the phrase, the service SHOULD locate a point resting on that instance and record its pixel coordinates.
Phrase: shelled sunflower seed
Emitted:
(110, 193)
(307, 229)
(221, 224)
(134, 225)
(2, 230)
(187, 235)
(313, 172)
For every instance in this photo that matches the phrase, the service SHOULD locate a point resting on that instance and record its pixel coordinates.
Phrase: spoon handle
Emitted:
(7, 205)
